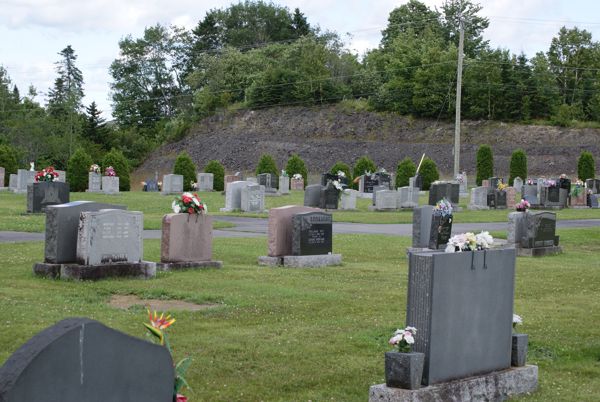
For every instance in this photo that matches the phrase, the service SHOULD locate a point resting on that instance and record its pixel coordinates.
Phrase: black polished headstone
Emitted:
(384, 179)
(565, 183)
(369, 181)
(540, 230)
(312, 233)
(79, 359)
(329, 197)
(553, 194)
(269, 180)
(500, 198)
(494, 181)
(441, 231)
(43, 194)
(491, 199)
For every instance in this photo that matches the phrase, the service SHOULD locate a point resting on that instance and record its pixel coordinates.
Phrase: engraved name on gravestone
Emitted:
(367, 182)
(252, 198)
(172, 184)
(110, 236)
(110, 184)
(79, 359)
(43, 194)
(94, 182)
(312, 233)
(312, 195)
(62, 222)
(329, 197)
(386, 200)
(205, 181)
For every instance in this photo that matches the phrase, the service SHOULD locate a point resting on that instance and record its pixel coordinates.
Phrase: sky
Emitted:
(33, 32)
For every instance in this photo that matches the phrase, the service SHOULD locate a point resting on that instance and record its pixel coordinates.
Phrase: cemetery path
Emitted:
(253, 227)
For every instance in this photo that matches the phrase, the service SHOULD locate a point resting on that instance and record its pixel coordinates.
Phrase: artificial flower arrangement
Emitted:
(502, 186)
(523, 205)
(157, 329)
(403, 339)
(110, 172)
(550, 183)
(469, 242)
(47, 174)
(95, 168)
(341, 174)
(460, 178)
(193, 185)
(297, 176)
(188, 203)
(283, 173)
(517, 320)
(530, 182)
(443, 208)
(579, 185)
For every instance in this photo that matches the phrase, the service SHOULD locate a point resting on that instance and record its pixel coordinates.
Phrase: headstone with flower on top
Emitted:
(46, 191)
(110, 181)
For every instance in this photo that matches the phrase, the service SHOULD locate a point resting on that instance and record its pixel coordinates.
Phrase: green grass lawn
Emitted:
(155, 205)
(314, 334)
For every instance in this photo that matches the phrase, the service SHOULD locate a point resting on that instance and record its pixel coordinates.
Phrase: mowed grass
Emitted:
(155, 205)
(314, 334)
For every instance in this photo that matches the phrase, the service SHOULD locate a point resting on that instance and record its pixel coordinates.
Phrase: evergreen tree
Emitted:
(266, 164)
(94, 128)
(518, 166)
(216, 168)
(485, 163)
(78, 170)
(117, 160)
(185, 167)
(429, 173)
(341, 166)
(296, 165)
(8, 162)
(586, 166)
(406, 169)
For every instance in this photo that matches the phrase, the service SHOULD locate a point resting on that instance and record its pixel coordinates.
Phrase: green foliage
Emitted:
(362, 165)
(185, 167)
(566, 115)
(8, 162)
(296, 165)
(117, 160)
(78, 169)
(429, 173)
(343, 167)
(406, 169)
(485, 164)
(518, 166)
(218, 171)
(586, 166)
(266, 164)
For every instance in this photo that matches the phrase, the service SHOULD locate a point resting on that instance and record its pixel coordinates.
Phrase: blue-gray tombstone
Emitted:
(43, 194)
(312, 233)
(312, 195)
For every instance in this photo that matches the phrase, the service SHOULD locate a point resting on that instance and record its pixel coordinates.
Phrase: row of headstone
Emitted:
(324, 197)
(449, 190)
(106, 184)
(368, 182)
(244, 196)
(430, 230)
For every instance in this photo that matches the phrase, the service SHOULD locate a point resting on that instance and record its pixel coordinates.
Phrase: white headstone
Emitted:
(62, 176)
(408, 197)
(386, 200)
(12, 181)
(172, 184)
(233, 196)
(110, 184)
(284, 184)
(94, 182)
(348, 200)
(24, 177)
(479, 198)
(205, 181)
(252, 198)
(518, 184)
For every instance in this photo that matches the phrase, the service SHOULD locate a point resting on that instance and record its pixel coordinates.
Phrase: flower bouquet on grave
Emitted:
(47, 174)
(110, 172)
(469, 242)
(529, 182)
(157, 330)
(95, 168)
(297, 176)
(193, 185)
(284, 173)
(188, 203)
(460, 178)
(578, 188)
(443, 208)
(404, 368)
(523, 206)
(502, 186)
(550, 183)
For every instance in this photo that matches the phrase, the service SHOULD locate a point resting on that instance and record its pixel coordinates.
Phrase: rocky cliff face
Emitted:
(326, 134)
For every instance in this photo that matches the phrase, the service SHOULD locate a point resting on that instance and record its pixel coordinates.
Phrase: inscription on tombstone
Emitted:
(312, 233)
(94, 182)
(205, 181)
(252, 198)
(329, 197)
(43, 194)
(367, 182)
(172, 184)
(540, 230)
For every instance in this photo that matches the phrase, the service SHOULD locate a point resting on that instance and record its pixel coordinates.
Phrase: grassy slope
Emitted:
(314, 334)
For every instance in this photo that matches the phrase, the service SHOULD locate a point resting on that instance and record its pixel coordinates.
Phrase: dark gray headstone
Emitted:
(593, 200)
(421, 230)
(441, 231)
(494, 181)
(447, 190)
(368, 182)
(326, 177)
(43, 194)
(151, 185)
(500, 198)
(530, 193)
(540, 230)
(312, 195)
(491, 199)
(384, 179)
(469, 294)
(269, 180)
(553, 194)
(61, 229)
(593, 184)
(329, 197)
(312, 233)
(79, 359)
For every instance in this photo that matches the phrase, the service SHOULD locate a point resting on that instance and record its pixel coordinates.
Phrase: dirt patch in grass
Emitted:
(127, 301)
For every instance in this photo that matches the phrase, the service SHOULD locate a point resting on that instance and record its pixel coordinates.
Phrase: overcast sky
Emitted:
(32, 32)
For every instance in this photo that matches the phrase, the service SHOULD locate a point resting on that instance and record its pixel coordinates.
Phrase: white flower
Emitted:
(394, 340)
(408, 337)
(450, 248)
(205, 209)
(413, 330)
(337, 185)
(176, 207)
(297, 176)
(517, 320)
(196, 201)
(341, 174)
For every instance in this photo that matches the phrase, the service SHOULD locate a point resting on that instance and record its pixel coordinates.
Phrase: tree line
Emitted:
(255, 54)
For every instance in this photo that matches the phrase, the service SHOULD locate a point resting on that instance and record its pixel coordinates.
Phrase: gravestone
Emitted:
(384, 179)
(511, 194)
(501, 202)
(186, 242)
(516, 227)
(376, 189)
(530, 193)
(205, 181)
(579, 198)
(327, 177)
(253, 180)
(494, 181)
(233, 196)
(230, 178)
(462, 184)
(110, 184)
(312, 195)
(151, 186)
(110, 236)
(329, 197)
(269, 180)
(280, 228)
(312, 233)
(408, 197)
(416, 181)
(172, 184)
(297, 184)
(539, 236)
(430, 230)
(12, 181)
(485, 183)
(387, 200)
(468, 293)
(43, 194)
(479, 198)
(79, 359)
(491, 199)
(366, 183)
(284, 184)
(62, 222)
(24, 178)
(594, 203)
(94, 182)
(441, 231)
(518, 184)
(2, 176)
(62, 176)
(447, 190)
(252, 198)
(593, 184)
(348, 199)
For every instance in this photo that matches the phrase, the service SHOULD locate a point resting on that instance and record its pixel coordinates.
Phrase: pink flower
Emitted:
(181, 398)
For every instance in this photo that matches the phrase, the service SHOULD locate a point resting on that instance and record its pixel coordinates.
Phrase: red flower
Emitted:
(181, 398)
(190, 210)
(186, 199)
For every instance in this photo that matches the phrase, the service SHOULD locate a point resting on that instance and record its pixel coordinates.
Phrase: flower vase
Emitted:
(404, 370)
(518, 356)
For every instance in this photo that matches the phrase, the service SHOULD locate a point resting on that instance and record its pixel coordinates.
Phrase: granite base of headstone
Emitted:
(94, 182)
(43, 194)
(495, 386)
(79, 359)
(205, 181)
(186, 242)
(172, 184)
(110, 185)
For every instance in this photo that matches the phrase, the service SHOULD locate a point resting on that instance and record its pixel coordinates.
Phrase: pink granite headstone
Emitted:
(511, 194)
(279, 230)
(485, 183)
(186, 237)
(297, 184)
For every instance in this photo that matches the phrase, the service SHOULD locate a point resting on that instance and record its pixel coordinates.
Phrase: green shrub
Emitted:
(341, 166)
(518, 166)
(586, 166)
(296, 165)
(266, 164)
(218, 172)
(429, 173)
(406, 169)
(8, 161)
(485, 164)
(117, 160)
(362, 165)
(185, 167)
(78, 168)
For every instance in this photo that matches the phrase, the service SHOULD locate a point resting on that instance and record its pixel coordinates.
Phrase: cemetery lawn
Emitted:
(155, 205)
(314, 334)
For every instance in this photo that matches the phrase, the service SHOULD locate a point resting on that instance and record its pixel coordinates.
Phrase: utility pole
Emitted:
(458, 95)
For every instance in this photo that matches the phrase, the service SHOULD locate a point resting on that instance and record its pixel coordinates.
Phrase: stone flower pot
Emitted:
(404, 370)
(518, 356)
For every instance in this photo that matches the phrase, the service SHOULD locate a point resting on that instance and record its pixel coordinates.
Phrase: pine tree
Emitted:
(94, 128)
